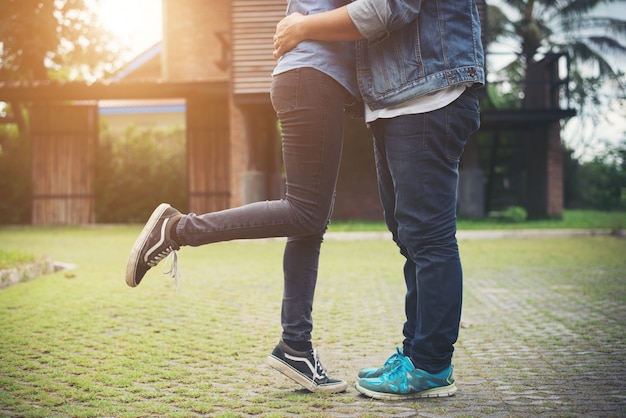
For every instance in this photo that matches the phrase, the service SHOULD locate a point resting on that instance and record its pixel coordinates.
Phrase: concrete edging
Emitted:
(32, 270)
(28, 271)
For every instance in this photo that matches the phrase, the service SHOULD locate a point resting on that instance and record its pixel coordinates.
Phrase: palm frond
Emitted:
(518, 5)
(607, 45)
(582, 52)
(498, 25)
(614, 26)
(579, 7)
(617, 26)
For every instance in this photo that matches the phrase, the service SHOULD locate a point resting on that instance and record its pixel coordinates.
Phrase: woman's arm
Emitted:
(361, 19)
(334, 25)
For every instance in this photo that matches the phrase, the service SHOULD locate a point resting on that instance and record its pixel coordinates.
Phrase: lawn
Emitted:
(81, 343)
(572, 219)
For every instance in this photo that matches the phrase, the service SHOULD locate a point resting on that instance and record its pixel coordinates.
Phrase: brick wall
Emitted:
(238, 154)
(192, 47)
(554, 173)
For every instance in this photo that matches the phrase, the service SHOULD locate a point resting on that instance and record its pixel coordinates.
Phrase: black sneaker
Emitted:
(153, 245)
(305, 368)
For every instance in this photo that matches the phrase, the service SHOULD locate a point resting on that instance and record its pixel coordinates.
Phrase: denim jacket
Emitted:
(415, 47)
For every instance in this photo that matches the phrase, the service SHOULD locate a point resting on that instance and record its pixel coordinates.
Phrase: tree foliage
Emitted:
(599, 183)
(535, 28)
(48, 39)
(147, 164)
(542, 26)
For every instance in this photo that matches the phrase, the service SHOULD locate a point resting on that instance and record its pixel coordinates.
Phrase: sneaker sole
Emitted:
(440, 392)
(281, 366)
(133, 258)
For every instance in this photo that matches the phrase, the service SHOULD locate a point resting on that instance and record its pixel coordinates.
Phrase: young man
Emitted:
(418, 65)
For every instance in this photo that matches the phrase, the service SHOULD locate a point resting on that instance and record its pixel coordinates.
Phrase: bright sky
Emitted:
(137, 22)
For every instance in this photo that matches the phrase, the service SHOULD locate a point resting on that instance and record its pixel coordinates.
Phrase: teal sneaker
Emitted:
(406, 382)
(391, 362)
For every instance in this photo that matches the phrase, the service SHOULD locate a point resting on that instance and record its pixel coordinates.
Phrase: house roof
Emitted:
(146, 66)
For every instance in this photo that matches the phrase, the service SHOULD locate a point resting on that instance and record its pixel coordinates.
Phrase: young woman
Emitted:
(310, 85)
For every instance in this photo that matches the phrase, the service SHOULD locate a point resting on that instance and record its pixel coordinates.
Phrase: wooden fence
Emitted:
(208, 154)
(64, 139)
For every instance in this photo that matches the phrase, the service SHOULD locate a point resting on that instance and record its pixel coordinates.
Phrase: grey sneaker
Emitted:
(305, 368)
(391, 362)
(153, 245)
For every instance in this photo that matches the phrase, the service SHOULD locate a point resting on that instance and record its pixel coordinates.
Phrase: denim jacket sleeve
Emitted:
(376, 19)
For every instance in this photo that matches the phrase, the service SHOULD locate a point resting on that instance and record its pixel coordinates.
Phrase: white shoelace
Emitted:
(320, 370)
(174, 270)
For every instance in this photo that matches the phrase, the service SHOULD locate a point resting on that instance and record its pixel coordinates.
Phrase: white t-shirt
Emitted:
(428, 103)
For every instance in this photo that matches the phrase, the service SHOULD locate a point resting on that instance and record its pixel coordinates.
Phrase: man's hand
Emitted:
(288, 34)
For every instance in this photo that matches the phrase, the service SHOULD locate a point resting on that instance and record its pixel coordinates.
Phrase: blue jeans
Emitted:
(310, 108)
(417, 159)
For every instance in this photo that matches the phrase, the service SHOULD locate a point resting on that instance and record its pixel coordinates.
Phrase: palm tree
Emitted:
(540, 27)
(536, 33)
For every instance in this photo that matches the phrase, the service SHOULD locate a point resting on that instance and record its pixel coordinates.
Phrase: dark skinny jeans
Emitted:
(310, 108)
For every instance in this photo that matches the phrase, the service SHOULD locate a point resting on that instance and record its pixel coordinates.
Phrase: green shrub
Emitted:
(138, 169)
(512, 214)
(515, 214)
(597, 184)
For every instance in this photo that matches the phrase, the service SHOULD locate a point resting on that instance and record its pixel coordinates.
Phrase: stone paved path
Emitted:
(529, 349)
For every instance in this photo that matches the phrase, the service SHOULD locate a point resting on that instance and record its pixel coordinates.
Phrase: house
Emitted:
(214, 65)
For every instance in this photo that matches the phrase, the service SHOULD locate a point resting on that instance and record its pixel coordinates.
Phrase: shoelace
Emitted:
(394, 359)
(398, 370)
(174, 270)
(320, 371)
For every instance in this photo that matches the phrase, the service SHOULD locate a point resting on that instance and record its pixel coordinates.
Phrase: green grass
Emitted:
(83, 344)
(14, 258)
(572, 219)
